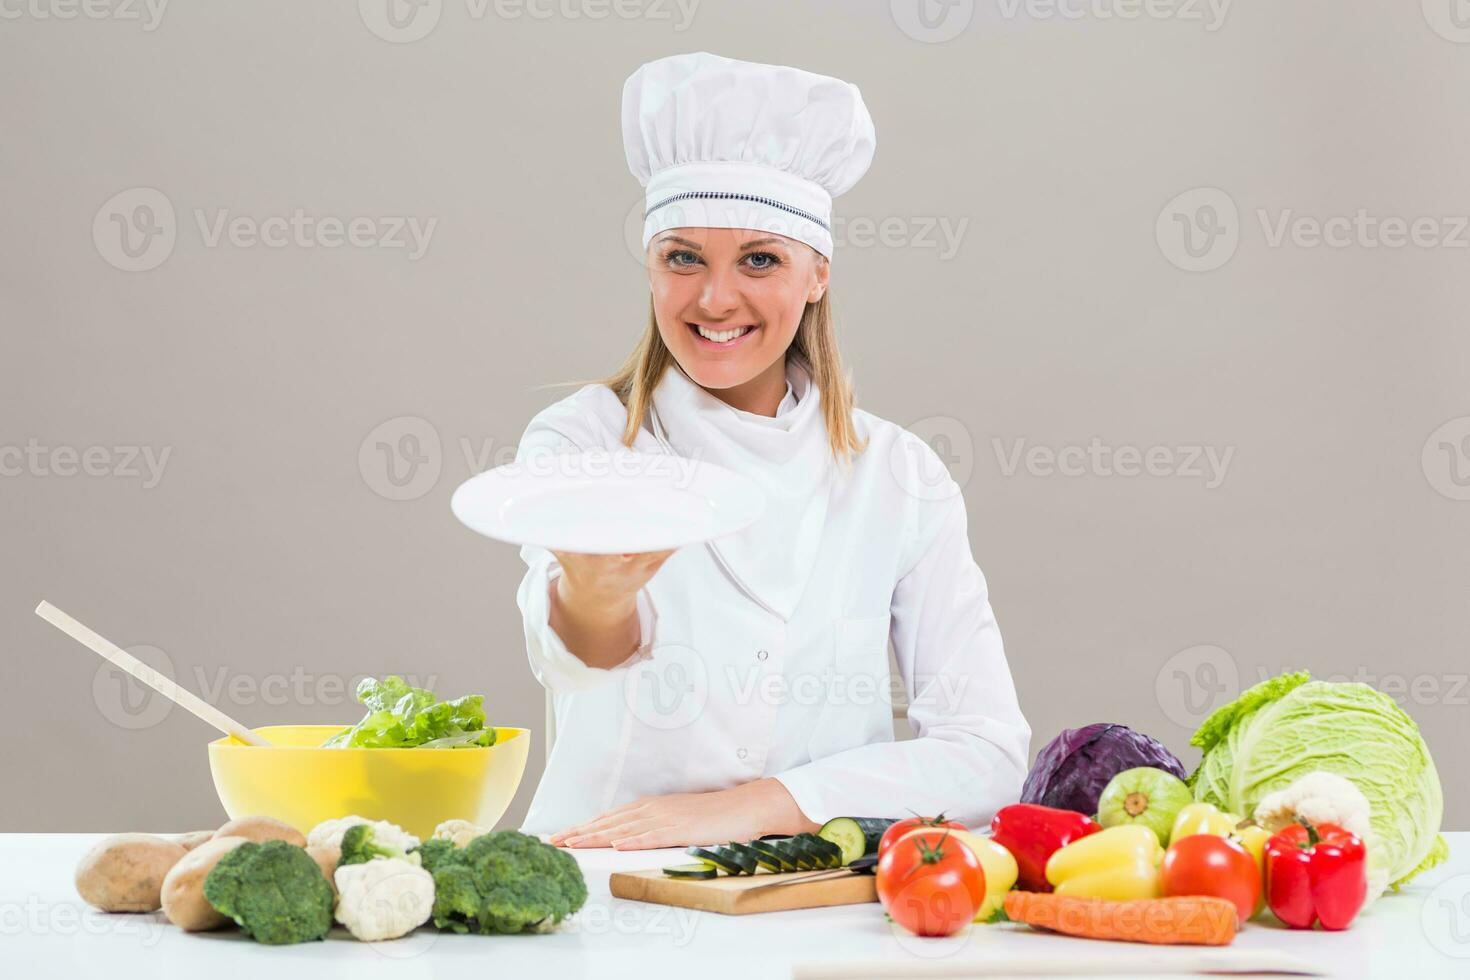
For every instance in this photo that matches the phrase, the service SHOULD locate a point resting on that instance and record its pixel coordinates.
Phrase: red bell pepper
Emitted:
(1316, 874)
(1032, 833)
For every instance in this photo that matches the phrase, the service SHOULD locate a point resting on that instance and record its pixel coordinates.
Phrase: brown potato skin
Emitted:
(125, 872)
(261, 829)
(192, 839)
(183, 887)
(326, 858)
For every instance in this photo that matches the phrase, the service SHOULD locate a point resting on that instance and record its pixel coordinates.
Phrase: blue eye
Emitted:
(761, 261)
(681, 258)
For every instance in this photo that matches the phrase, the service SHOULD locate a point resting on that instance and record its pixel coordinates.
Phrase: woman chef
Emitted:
(741, 688)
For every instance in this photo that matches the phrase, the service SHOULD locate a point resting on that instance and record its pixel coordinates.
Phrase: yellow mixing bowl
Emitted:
(297, 781)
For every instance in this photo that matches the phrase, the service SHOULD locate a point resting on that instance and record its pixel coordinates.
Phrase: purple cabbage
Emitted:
(1071, 772)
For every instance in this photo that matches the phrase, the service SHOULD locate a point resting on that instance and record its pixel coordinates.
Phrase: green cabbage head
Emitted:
(1288, 726)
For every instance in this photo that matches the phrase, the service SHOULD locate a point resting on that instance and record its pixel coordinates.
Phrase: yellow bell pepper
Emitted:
(1202, 818)
(1253, 839)
(999, 867)
(1119, 863)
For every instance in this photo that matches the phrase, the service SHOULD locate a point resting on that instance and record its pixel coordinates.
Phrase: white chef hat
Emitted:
(719, 143)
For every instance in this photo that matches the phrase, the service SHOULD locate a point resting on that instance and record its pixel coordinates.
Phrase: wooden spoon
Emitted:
(111, 652)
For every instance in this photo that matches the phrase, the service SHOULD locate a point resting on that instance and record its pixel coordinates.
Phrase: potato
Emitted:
(125, 872)
(192, 839)
(183, 887)
(326, 857)
(260, 829)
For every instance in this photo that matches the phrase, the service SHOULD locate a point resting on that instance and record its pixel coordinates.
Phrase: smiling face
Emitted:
(728, 302)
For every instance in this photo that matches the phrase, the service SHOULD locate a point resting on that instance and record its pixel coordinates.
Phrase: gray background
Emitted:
(271, 552)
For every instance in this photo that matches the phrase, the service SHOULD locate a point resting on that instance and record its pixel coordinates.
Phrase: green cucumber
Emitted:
(702, 870)
(745, 862)
(746, 853)
(827, 852)
(778, 860)
(717, 858)
(856, 837)
(764, 859)
(809, 858)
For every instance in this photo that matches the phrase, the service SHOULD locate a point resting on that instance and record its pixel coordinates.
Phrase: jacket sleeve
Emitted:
(555, 667)
(969, 756)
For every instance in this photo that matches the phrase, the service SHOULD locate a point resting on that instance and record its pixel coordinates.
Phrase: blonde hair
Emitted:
(814, 348)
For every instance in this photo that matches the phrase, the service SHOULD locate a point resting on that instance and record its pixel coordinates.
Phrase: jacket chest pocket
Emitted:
(856, 707)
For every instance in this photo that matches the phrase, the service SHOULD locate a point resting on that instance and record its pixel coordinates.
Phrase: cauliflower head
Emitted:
(385, 898)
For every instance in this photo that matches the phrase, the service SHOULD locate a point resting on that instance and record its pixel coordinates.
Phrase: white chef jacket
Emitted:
(770, 657)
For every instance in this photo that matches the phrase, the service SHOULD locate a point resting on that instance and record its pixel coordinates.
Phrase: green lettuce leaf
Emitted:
(402, 716)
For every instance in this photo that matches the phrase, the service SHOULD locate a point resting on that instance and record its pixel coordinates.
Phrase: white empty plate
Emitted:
(607, 503)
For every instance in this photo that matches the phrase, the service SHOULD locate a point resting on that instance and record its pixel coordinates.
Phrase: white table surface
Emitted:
(47, 931)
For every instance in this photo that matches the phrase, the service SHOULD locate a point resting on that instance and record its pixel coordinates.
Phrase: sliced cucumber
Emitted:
(702, 870)
(745, 862)
(747, 853)
(761, 859)
(717, 858)
(827, 852)
(808, 858)
(857, 837)
(778, 860)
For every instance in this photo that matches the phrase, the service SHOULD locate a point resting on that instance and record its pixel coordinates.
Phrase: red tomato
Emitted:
(893, 833)
(930, 884)
(1203, 864)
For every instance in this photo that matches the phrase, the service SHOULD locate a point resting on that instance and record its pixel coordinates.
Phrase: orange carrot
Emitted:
(1195, 920)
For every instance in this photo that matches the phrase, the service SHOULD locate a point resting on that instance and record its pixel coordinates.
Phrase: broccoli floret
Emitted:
(275, 891)
(433, 851)
(362, 842)
(505, 882)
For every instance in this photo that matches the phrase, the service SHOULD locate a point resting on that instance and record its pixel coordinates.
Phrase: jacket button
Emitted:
(761, 655)
(740, 753)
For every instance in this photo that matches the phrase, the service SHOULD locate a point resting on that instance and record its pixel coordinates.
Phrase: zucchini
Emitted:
(701, 870)
(856, 837)
(717, 858)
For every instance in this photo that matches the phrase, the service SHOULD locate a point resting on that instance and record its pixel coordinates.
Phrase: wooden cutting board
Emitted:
(763, 891)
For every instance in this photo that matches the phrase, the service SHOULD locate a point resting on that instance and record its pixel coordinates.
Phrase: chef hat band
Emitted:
(719, 143)
(738, 195)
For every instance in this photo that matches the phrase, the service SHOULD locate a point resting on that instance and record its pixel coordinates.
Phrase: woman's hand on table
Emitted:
(741, 813)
